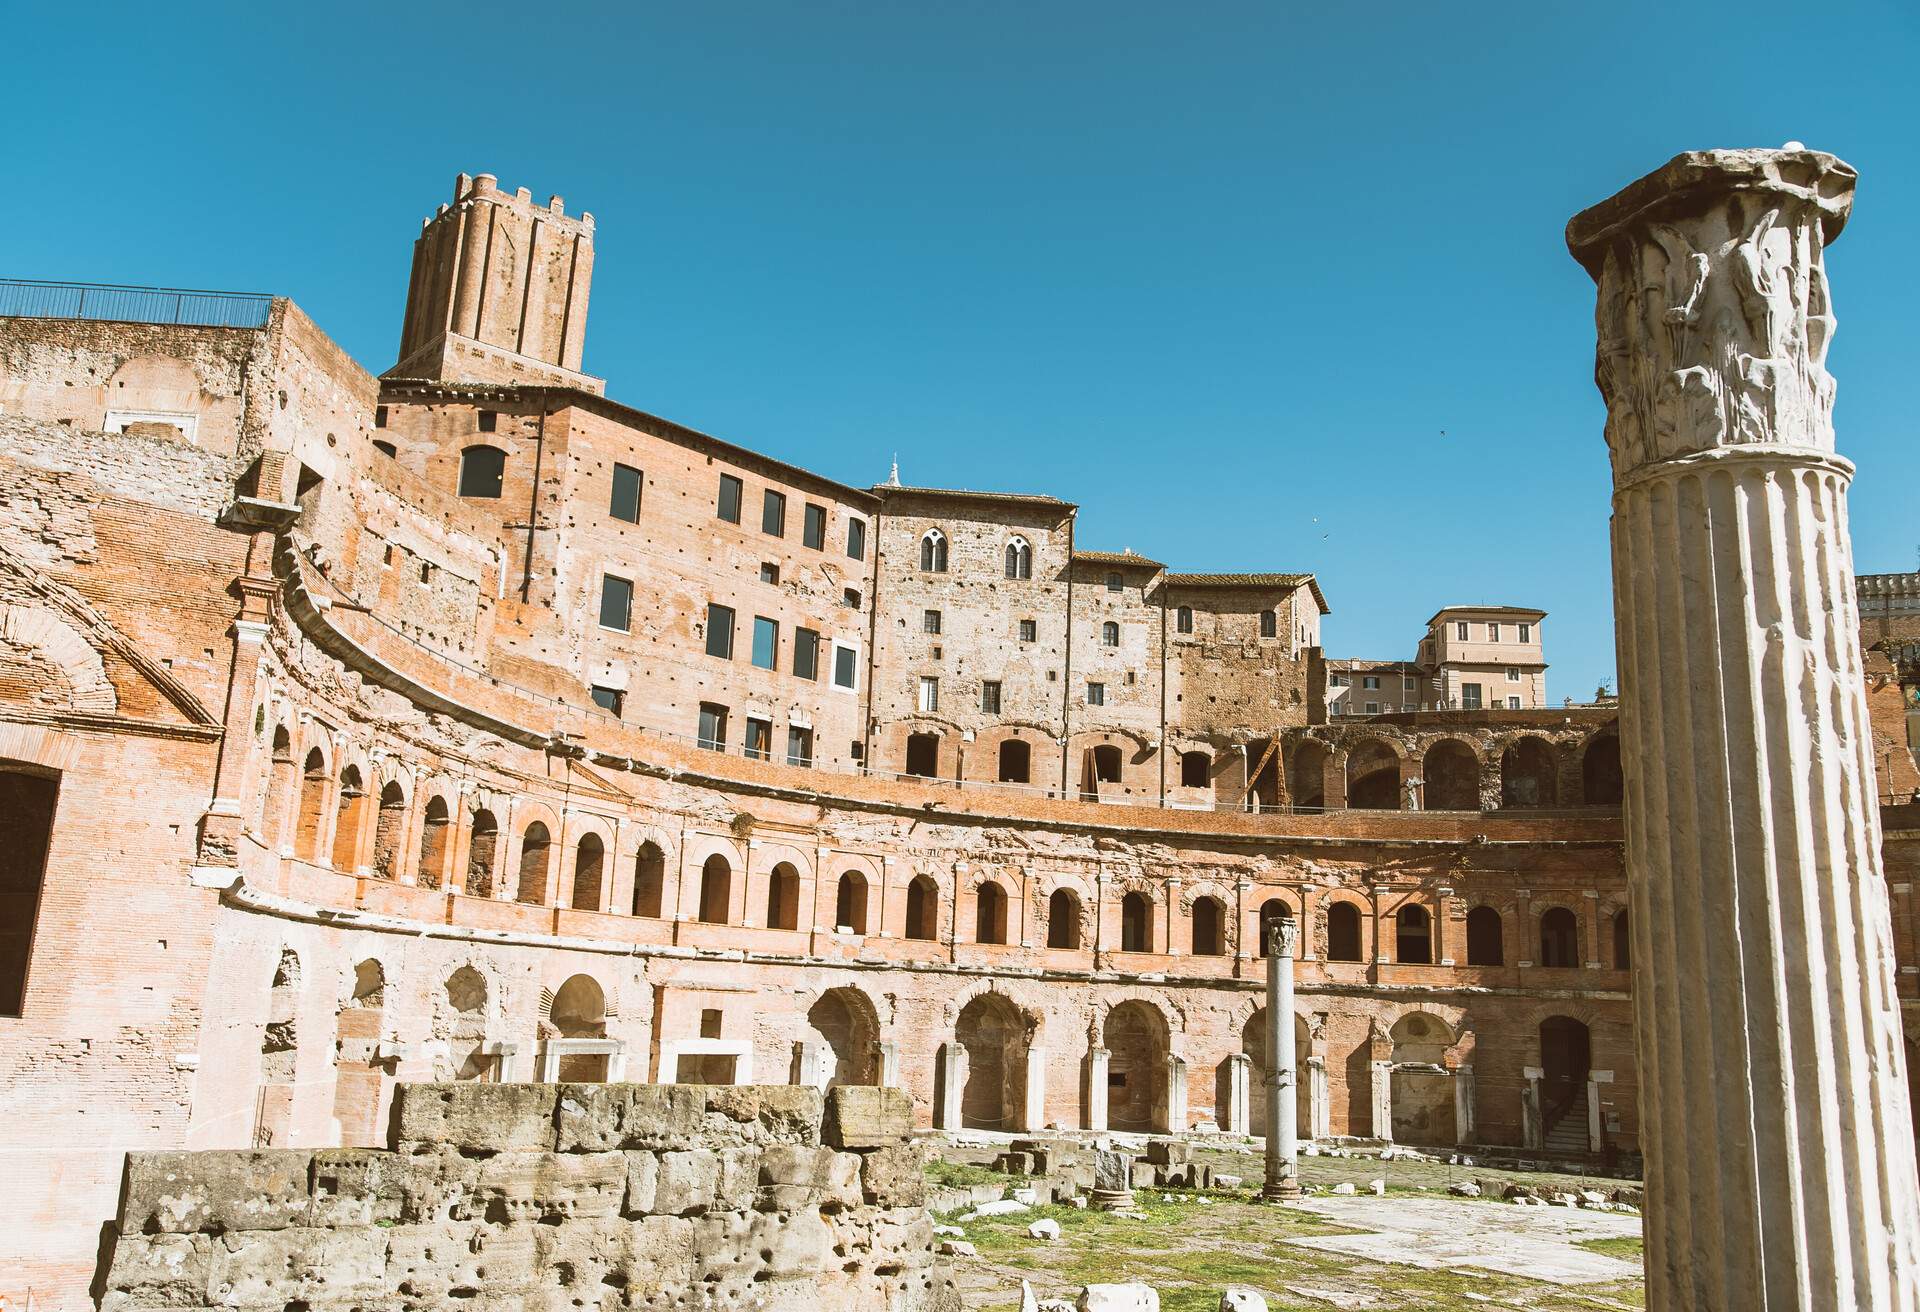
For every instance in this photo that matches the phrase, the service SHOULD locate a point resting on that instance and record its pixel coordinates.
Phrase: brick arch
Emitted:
(977, 874)
(1032, 1009)
(702, 846)
(1171, 1013)
(42, 630)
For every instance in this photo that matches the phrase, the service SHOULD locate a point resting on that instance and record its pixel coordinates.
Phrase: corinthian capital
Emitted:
(1713, 313)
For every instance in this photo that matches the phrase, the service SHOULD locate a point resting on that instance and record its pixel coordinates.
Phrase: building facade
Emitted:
(464, 724)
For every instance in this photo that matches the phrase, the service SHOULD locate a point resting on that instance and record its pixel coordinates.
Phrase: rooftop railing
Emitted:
(27, 298)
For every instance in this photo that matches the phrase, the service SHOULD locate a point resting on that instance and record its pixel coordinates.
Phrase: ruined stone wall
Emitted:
(662, 1196)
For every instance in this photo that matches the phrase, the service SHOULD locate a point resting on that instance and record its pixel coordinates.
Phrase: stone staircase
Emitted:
(1567, 1136)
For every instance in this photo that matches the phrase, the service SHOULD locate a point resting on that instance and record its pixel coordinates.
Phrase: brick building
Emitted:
(465, 724)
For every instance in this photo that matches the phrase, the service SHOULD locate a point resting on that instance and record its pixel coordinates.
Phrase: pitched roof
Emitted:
(1132, 558)
(967, 494)
(1252, 581)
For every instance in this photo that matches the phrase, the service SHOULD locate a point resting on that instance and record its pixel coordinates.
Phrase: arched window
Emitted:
(933, 552)
(1413, 936)
(1559, 938)
(1110, 634)
(1269, 624)
(783, 897)
(850, 904)
(1622, 941)
(1136, 923)
(433, 844)
(1183, 619)
(1195, 769)
(923, 909)
(990, 914)
(1016, 761)
(480, 852)
(1209, 928)
(536, 846)
(1063, 919)
(1486, 944)
(588, 861)
(346, 830)
(1019, 559)
(649, 879)
(280, 777)
(716, 890)
(1272, 912)
(1343, 932)
(483, 470)
(387, 826)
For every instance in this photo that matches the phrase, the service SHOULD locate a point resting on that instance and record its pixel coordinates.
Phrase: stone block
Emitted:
(540, 1186)
(866, 1116)
(369, 1186)
(794, 1177)
(894, 1177)
(739, 1178)
(150, 1270)
(643, 1183)
(606, 1117)
(1112, 1171)
(762, 1113)
(589, 1258)
(689, 1183)
(305, 1266)
(1169, 1152)
(179, 1193)
(446, 1260)
(763, 1246)
(1130, 1297)
(476, 1117)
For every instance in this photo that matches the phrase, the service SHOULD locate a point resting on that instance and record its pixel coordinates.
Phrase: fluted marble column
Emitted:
(1780, 1158)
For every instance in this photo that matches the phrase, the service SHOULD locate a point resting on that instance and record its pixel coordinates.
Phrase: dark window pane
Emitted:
(814, 531)
(806, 654)
(843, 667)
(729, 498)
(766, 641)
(799, 746)
(713, 727)
(773, 514)
(857, 539)
(609, 699)
(720, 631)
(616, 603)
(626, 494)
(482, 471)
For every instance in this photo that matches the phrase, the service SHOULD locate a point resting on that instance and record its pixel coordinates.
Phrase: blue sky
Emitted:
(1261, 286)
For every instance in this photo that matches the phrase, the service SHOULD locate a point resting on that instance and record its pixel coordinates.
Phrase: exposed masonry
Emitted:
(657, 1196)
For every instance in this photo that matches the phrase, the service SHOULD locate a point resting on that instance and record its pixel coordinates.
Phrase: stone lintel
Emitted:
(1694, 180)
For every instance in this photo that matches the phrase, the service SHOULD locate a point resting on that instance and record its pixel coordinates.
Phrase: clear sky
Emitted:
(1260, 286)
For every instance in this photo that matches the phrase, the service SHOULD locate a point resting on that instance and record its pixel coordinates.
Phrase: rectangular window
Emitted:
(626, 494)
(1460, 630)
(730, 493)
(1269, 624)
(616, 603)
(929, 694)
(1470, 696)
(1114, 583)
(929, 621)
(1337, 680)
(1029, 631)
(773, 514)
(1373, 708)
(1370, 681)
(609, 699)
(489, 421)
(1493, 633)
(1513, 675)
(1513, 703)
(990, 697)
(759, 744)
(845, 667)
(1096, 694)
(1409, 685)
(799, 745)
(766, 642)
(769, 572)
(713, 727)
(813, 529)
(379, 416)
(856, 539)
(850, 598)
(720, 630)
(806, 654)
(1526, 633)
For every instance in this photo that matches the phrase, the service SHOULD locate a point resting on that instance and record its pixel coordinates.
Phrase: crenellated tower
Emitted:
(498, 291)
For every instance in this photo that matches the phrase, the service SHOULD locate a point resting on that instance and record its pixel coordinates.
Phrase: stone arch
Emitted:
(996, 1035)
(535, 865)
(463, 1015)
(1138, 1041)
(1423, 1090)
(349, 817)
(310, 822)
(483, 845)
(589, 872)
(436, 832)
(848, 1022)
(1451, 769)
(389, 830)
(1529, 773)
(1375, 774)
(71, 675)
(1601, 783)
(578, 1010)
(1307, 774)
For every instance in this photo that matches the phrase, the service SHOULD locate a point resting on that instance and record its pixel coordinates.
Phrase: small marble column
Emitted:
(1319, 1104)
(1532, 1128)
(812, 1064)
(1239, 1118)
(1380, 1075)
(1097, 1061)
(1775, 1118)
(1463, 1105)
(1176, 1094)
(1283, 1146)
(1034, 1109)
(953, 1083)
(887, 1062)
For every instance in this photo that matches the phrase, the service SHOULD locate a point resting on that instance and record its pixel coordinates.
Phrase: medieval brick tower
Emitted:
(498, 291)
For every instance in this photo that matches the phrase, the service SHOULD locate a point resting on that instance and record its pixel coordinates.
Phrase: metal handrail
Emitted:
(33, 298)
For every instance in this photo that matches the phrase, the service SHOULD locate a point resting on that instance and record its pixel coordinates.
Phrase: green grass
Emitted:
(1628, 1248)
(962, 1175)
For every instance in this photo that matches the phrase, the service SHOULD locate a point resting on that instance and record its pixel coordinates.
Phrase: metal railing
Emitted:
(27, 298)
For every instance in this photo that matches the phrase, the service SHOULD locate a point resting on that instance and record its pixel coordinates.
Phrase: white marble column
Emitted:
(1779, 1142)
(1463, 1105)
(953, 1083)
(1239, 1117)
(887, 1062)
(1176, 1094)
(1380, 1075)
(1283, 1138)
(1097, 1063)
(1319, 1104)
(1033, 1116)
(1532, 1128)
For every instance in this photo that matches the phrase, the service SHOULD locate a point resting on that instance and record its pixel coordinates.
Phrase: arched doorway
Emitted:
(1529, 774)
(850, 903)
(434, 827)
(1422, 1087)
(356, 1073)
(994, 1035)
(1600, 771)
(1136, 1040)
(536, 847)
(1373, 777)
(1063, 919)
(1452, 774)
(388, 827)
(1566, 1055)
(1253, 1042)
(1136, 923)
(481, 842)
(1559, 938)
(783, 897)
(1307, 776)
(649, 879)
(716, 890)
(990, 914)
(580, 1012)
(845, 1021)
(588, 862)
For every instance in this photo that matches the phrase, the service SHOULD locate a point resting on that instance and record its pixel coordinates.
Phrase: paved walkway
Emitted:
(1540, 1243)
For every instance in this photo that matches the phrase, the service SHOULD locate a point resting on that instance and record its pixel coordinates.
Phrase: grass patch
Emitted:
(1628, 1248)
(963, 1175)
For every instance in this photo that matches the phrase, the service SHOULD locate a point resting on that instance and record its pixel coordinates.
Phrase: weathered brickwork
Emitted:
(334, 809)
